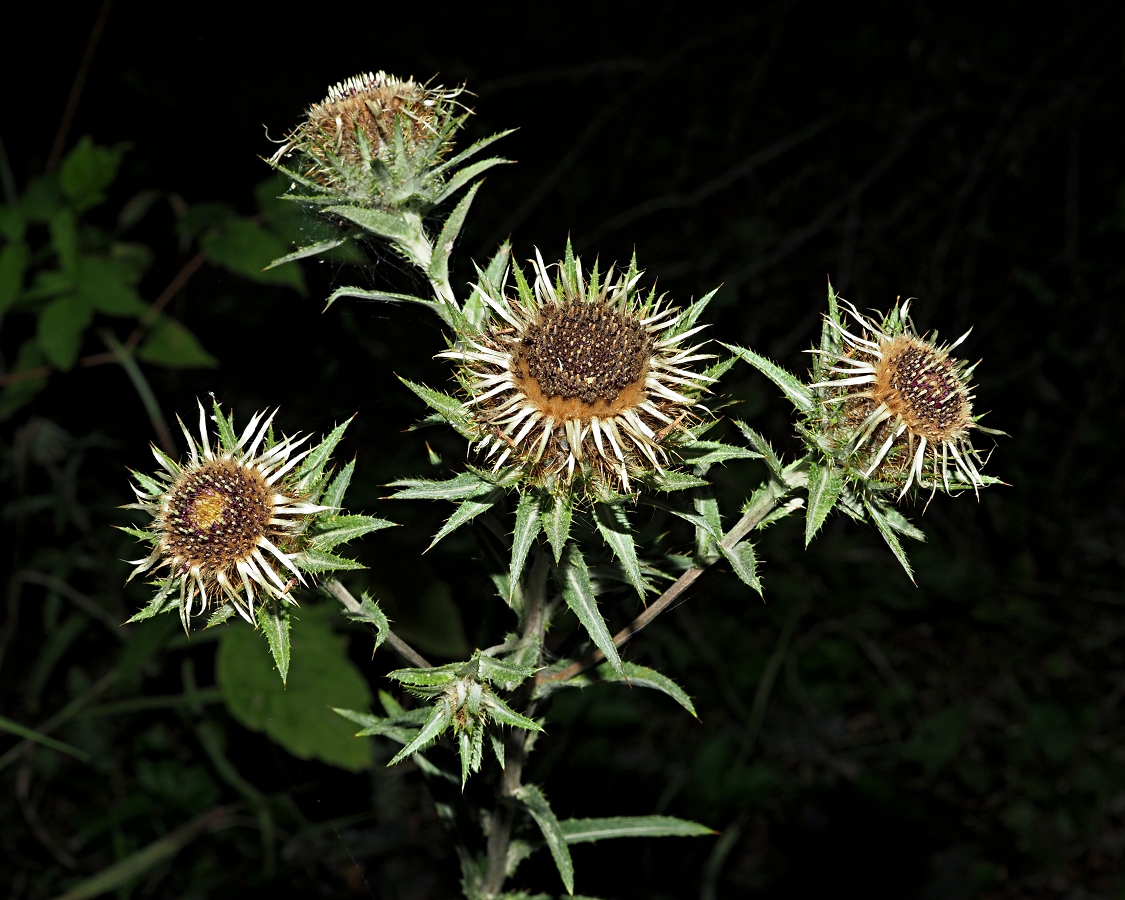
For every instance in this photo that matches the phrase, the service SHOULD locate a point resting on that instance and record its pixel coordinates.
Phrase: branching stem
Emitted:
(755, 514)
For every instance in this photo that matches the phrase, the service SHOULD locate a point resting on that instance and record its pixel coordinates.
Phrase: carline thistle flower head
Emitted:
(229, 523)
(579, 376)
(898, 406)
(373, 119)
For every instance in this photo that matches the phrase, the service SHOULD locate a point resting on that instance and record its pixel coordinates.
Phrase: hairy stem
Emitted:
(403, 649)
(534, 625)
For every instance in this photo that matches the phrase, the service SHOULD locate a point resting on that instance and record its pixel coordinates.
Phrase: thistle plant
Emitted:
(585, 399)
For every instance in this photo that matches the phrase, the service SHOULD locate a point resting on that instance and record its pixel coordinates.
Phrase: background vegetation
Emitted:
(956, 739)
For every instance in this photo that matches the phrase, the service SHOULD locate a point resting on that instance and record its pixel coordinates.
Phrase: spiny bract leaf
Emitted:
(642, 676)
(574, 582)
(556, 523)
(336, 530)
(744, 563)
(528, 523)
(614, 527)
(536, 804)
(879, 518)
(466, 512)
(799, 395)
(273, 619)
(825, 484)
(464, 486)
(439, 719)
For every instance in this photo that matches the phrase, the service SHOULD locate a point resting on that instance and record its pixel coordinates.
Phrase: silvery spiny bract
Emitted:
(242, 520)
(579, 378)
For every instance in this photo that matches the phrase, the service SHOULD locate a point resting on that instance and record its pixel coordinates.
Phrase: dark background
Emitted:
(956, 739)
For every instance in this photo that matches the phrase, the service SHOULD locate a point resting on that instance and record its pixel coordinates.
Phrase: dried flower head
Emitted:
(371, 133)
(900, 405)
(579, 376)
(236, 522)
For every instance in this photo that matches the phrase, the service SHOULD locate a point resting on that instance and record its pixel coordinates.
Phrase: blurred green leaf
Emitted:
(298, 715)
(87, 171)
(61, 324)
(937, 739)
(170, 344)
(64, 239)
(14, 258)
(106, 285)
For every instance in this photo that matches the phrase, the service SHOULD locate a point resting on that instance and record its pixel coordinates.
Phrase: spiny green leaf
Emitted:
(225, 426)
(439, 720)
(449, 407)
(305, 252)
(386, 296)
(339, 529)
(273, 619)
(502, 714)
(466, 175)
(504, 671)
(614, 527)
(760, 444)
(466, 512)
(799, 395)
(536, 804)
(691, 315)
(699, 521)
(443, 248)
(704, 453)
(333, 497)
(579, 831)
(556, 523)
(744, 563)
(383, 224)
(903, 525)
(709, 533)
(825, 484)
(370, 613)
(672, 480)
(318, 561)
(312, 467)
(466, 485)
(878, 516)
(641, 676)
(433, 676)
(574, 582)
(528, 523)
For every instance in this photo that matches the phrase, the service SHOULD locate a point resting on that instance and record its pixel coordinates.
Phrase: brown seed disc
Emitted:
(583, 352)
(216, 514)
(918, 383)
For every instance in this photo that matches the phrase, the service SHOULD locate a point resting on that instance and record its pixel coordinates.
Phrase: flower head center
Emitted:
(584, 352)
(216, 515)
(920, 384)
(208, 508)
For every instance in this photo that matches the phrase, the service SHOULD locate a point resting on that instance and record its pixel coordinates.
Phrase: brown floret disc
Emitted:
(583, 359)
(919, 384)
(215, 516)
